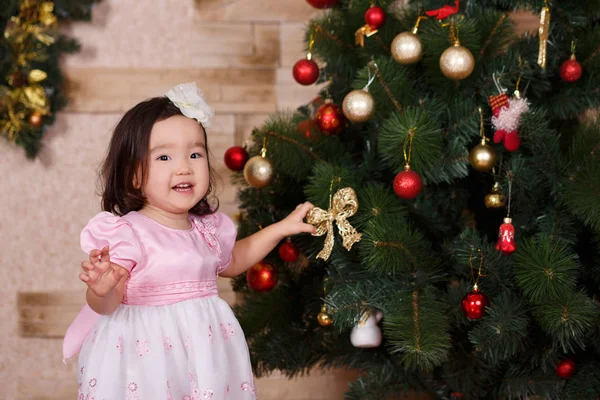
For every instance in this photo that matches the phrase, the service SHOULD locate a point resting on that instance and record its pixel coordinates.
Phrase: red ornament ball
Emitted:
(570, 70)
(322, 3)
(375, 17)
(306, 72)
(288, 251)
(330, 119)
(262, 277)
(565, 368)
(235, 158)
(474, 304)
(408, 184)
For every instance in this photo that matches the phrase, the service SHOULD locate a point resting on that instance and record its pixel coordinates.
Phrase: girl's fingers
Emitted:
(84, 277)
(308, 228)
(118, 274)
(104, 256)
(305, 208)
(86, 266)
(93, 275)
(94, 255)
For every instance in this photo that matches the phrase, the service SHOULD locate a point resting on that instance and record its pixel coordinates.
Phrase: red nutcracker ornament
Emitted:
(506, 237)
(374, 19)
(408, 183)
(506, 234)
(262, 277)
(235, 158)
(306, 71)
(565, 368)
(330, 118)
(570, 70)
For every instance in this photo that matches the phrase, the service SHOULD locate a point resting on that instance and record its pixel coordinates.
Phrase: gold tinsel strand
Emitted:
(34, 20)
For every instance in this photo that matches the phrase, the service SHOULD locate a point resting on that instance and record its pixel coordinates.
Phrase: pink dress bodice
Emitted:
(165, 265)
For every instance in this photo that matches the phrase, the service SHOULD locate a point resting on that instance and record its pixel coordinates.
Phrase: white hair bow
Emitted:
(190, 99)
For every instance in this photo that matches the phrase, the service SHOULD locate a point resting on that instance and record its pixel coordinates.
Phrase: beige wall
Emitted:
(239, 51)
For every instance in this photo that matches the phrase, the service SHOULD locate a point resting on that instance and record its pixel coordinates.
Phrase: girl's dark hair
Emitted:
(128, 151)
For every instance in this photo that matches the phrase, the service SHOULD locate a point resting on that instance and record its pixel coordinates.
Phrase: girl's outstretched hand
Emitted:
(294, 223)
(99, 274)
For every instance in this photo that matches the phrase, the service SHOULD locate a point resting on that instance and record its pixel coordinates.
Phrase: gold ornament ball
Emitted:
(495, 199)
(483, 157)
(358, 106)
(324, 319)
(258, 172)
(35, 119)
(457, 62)
(407, 48)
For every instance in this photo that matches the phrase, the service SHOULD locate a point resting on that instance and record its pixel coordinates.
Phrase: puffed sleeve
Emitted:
(226, 234)
(106, 229)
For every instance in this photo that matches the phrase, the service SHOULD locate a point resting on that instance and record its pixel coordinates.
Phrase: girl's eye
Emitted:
(164, 158)
(196, 155)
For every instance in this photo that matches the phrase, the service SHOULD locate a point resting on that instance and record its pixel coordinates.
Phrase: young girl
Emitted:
(154, 326)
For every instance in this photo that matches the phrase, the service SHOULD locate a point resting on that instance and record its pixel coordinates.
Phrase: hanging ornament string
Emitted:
(324, 318)
(311, 43)
(479, 274)
(544, 32)
(416, 27)
(454, 33)
(371, 77)
(496, 80)
(481, 128)
(333, 179)
(408, 143)
(509, 194)
(517, 93)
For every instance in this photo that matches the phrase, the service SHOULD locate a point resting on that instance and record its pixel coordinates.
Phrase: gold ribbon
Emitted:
(544, 31)
(344, 205)
(359, 36)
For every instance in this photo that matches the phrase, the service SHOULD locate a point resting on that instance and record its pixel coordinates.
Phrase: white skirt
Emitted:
(191, 350)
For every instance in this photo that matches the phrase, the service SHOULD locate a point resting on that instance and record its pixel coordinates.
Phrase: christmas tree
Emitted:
(455, 171)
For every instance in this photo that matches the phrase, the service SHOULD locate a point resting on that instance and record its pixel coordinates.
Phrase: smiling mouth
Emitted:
(183, 187)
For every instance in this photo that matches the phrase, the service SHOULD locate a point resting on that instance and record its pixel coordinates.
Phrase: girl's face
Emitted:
(178, 175)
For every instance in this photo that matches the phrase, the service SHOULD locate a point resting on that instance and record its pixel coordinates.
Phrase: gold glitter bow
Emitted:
(344, 205)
